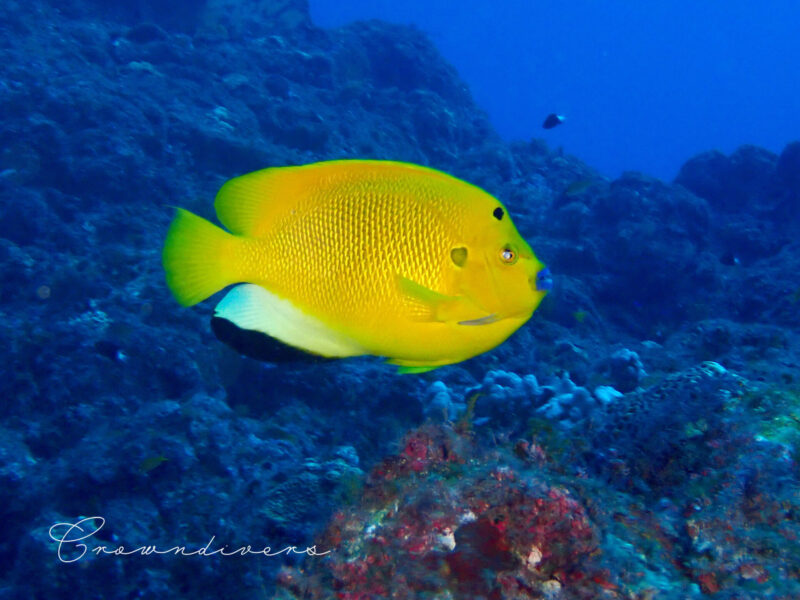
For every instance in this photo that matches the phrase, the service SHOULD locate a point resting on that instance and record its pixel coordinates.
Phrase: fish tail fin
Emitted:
(199, 258)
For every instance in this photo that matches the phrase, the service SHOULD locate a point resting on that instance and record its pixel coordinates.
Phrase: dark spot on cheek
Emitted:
(498, 213)
(459, 256)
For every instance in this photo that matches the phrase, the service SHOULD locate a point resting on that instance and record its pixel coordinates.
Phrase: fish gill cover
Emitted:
(637, 439)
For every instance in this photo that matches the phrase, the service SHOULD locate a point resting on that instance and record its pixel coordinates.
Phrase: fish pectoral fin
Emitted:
(253, 308)
(421, 293)
(425, 304)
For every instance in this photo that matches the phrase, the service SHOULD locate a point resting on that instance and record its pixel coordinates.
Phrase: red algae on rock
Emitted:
(444, 519)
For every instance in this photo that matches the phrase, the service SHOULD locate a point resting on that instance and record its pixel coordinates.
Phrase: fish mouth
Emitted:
(542, 281)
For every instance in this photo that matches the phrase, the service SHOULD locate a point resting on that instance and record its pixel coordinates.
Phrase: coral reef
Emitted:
(704, 506)
(441, 519)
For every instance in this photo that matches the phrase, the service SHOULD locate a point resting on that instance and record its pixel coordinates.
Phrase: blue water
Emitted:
(637, 437)
(643, 84)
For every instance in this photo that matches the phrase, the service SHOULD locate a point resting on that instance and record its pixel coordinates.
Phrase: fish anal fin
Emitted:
(258, 345)
(253, 308)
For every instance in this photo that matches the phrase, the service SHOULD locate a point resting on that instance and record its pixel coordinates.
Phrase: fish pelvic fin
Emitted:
(199, 258)
(415, 369)
(412, 367)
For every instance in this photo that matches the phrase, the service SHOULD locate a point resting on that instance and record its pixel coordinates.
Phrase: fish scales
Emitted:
(347, 249)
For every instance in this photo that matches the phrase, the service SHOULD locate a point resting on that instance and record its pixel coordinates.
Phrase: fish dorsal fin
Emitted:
(246, 204)
(254, 308)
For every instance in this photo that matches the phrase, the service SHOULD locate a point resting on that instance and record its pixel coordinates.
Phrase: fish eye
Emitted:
(508, 256)
(498, 213)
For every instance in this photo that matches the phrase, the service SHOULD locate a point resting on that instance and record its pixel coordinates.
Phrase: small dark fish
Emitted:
(729, 259)
(553, 120)
(153, 462)
(576, 187)
(466, 420)
(580, 315)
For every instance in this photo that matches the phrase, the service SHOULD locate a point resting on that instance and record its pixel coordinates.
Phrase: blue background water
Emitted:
(643, 84)
(621, 453)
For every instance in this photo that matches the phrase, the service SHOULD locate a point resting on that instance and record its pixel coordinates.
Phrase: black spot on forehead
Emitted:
(498, 213)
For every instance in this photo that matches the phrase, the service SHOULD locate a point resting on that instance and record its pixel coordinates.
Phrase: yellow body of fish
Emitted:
(352, 257)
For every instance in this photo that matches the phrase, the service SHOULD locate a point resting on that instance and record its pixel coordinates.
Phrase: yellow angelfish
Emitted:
(355, 257)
